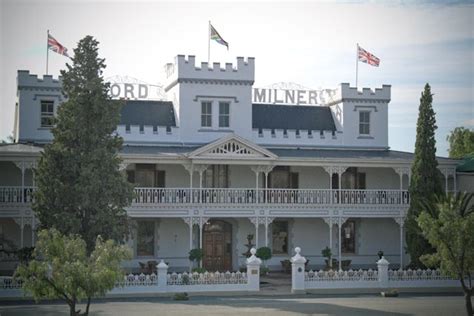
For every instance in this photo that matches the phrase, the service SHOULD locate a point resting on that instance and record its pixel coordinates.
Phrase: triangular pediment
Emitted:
(232, 147)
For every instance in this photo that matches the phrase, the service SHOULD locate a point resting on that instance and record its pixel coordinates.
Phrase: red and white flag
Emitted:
(55, 46)
(368, 58)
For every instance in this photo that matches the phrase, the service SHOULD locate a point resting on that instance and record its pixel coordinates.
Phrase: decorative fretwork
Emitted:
(233, 148)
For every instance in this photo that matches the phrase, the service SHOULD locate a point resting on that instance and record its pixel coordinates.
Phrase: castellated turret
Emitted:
(207, 92)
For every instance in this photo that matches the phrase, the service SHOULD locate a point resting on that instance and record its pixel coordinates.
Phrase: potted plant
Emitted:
(327, 253)
(195, 255)
(380, 254)
(265, 254)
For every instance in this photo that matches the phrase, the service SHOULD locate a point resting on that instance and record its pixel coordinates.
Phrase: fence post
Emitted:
(253, 271)
(382, 267)
(297, 272)
(162, 269)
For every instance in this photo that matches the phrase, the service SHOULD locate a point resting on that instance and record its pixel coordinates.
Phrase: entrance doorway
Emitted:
(217, 244)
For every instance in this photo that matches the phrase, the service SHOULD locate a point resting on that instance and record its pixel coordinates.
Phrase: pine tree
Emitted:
(425, 180)
(80, 187)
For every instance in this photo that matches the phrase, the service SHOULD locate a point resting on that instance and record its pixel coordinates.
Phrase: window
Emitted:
(155, 129)
(348, 237)
(280, 238)
(297, 133)
(273, 132)
(216, 176)
(206, 114)
(282, 178)
(145, 238)
(352, 179)
(285, 133)
(310, 133)
(145, 175)
(224, 114)
(47, 113)
(364, 123)
(260, 132)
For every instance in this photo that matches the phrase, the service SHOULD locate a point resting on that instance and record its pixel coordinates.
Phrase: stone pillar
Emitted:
(382, 266)
(162, 270)
(297, 272)
(253, 271)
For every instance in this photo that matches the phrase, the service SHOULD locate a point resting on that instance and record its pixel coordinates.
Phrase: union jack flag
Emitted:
(368, 58)
(55, 46)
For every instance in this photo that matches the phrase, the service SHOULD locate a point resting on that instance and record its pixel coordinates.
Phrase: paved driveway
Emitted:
(450, 305)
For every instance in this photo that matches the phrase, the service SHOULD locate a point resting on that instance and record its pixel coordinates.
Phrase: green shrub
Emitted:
(264, 253)
(199, 270)
(181, 297)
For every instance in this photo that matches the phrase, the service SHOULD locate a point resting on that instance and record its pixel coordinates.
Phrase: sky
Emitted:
(309, 43)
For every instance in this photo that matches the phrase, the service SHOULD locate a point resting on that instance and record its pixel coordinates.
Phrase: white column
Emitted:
(401, 222)
(340, 241)
(446, 175)
(268, 221)
(254, 220)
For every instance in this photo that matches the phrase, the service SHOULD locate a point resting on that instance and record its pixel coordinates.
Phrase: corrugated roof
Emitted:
(273, 116)
(153, 113)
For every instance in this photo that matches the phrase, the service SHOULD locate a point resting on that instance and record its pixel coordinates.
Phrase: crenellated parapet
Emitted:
(348, 93)
(31, 81)
(185, 69)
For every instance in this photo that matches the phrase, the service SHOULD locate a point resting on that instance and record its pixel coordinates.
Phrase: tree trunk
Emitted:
(72, 309)
(467, 297)
(87, 307)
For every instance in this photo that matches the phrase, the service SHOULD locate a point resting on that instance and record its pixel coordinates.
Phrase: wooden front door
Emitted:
(217, 244)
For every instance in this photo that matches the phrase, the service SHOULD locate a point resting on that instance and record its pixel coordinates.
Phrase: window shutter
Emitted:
(361, 181)
(294, 180)
(131, 176)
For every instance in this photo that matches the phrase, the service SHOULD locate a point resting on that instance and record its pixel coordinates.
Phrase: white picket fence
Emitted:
(164, 282)
(382, 278)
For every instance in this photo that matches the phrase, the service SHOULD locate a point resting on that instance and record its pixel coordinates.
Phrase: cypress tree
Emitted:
(425, 180)
(80, 187)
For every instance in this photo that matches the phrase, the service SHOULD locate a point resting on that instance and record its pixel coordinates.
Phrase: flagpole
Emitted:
(209, 44)
(357, 65)
(47, 50)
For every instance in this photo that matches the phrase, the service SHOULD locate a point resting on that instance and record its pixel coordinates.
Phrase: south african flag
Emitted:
(215, 36)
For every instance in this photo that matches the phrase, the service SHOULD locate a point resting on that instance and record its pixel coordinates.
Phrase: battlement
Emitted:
(185, 68)
(31, 81)
(347, 92)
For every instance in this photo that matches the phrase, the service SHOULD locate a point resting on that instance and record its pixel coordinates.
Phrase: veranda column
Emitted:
(329, 221)
(340, 241)
(401, 222)
(255, 220)
(268, 221)
(22, 166)
(20, 222)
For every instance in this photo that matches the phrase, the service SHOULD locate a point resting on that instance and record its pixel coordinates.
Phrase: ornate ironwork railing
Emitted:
(17, 194)
(267, 196)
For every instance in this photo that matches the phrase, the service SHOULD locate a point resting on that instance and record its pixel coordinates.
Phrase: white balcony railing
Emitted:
(9, 195)
(16, 194)
(267, 196)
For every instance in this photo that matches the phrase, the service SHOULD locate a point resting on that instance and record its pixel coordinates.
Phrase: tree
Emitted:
(63, 270)
(425, 178)
(448, 224)
(80, 188)
(461, 142)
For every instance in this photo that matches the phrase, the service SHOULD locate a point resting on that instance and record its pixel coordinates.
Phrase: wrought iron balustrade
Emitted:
(16, 194)
(267, 196)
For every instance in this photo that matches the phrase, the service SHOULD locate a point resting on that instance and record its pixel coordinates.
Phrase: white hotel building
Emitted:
(218, 161)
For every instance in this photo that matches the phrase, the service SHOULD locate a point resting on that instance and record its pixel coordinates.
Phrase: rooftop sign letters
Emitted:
(133, 89)
(293, 96)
